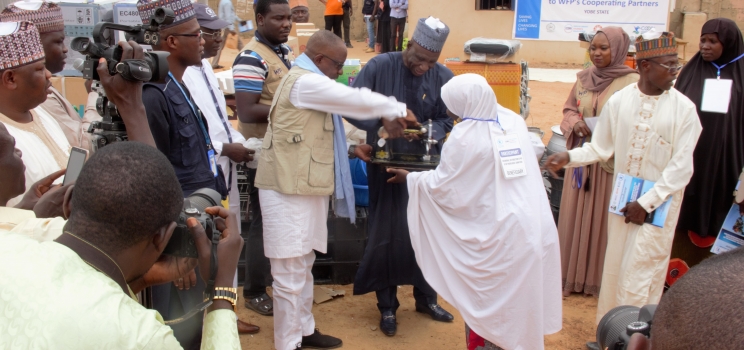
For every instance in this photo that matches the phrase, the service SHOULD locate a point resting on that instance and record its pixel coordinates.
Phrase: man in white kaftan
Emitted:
(486, 243)
(651, 129)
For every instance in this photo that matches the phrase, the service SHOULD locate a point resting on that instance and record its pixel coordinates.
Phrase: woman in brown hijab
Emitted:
(582, 223)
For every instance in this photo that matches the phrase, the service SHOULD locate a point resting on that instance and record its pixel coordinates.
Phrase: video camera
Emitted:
(619, 324)
(153, 68)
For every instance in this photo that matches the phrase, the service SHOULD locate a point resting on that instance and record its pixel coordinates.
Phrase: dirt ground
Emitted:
(355, 319)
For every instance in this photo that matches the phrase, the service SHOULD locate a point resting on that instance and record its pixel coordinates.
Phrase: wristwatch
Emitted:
(229, 294)
(352, 148)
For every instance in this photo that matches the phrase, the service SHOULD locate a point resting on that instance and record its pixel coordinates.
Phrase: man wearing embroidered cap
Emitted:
(651, 129)
(182, 134)
(416, 78)
(24, 85)
(47, 18)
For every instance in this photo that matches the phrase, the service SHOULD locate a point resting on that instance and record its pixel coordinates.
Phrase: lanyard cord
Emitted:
(489, 120)
(724, 65)
(224, 124)
(196, 115)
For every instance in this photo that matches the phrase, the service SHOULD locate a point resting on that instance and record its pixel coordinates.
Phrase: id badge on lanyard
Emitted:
(716, 95)
(511, 155)
(212, 161)
(717, 92)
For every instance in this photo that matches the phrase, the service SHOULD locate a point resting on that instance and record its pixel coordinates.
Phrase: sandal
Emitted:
(263, 305)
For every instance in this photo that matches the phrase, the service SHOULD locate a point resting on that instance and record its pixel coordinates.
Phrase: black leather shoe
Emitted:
(320, 341)
(592, 345)
(388, 325)
(435, 311)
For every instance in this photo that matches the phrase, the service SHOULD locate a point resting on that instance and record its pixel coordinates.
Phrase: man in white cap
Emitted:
(47, 17)
(205, 90)
(415, 78)
(651, 129)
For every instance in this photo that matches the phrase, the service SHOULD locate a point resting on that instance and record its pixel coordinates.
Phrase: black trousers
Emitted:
(347, 25)
(387, 299)
(173, 303)
(257, 267)
(333, 23)
(397, 26)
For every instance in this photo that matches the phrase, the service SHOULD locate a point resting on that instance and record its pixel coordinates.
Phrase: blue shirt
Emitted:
(398, 8)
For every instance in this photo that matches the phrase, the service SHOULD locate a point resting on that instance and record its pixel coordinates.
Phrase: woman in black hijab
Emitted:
(719, 154)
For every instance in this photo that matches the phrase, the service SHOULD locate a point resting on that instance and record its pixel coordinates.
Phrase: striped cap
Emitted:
(20, 44)
(665, 45)
(47, 17)
(182, 9)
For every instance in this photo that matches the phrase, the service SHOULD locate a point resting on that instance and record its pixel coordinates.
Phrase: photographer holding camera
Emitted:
(110, 244)
(112, 240)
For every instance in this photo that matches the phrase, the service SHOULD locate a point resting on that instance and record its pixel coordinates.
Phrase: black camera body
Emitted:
(619, 324)
(182, 244)
(153, 68)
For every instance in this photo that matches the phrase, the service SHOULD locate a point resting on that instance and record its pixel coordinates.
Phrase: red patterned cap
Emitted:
(20, 46)
(47, 18)
(665, 45)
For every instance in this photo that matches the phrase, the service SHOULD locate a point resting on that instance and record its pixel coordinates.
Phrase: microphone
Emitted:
(78, 64)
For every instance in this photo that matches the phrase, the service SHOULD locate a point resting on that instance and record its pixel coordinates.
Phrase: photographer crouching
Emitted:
(122, 215)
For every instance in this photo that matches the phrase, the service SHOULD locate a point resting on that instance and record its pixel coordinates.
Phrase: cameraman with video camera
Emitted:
(121, 217)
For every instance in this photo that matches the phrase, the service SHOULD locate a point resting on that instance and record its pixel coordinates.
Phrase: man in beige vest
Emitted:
(47, 17)
(257, 71)
(300, 165)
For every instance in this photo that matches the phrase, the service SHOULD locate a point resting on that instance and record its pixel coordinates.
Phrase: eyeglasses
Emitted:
(193, 34)
(672, 70)
(214, 35)
(339, 65)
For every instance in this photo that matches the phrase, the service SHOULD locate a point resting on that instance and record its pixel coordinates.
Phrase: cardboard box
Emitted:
(301, 26)
(294, 44)
(303, 36)
(351, 70)
(504, 79)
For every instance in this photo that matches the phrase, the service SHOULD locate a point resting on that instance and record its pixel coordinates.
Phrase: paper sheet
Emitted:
(591, 122)
(716, 95)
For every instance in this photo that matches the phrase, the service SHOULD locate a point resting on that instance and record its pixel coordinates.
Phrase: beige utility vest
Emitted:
(297, 152)
(591, 103)
(277, 70)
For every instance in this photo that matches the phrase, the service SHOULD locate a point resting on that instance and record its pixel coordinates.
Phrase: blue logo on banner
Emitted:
(528, 19)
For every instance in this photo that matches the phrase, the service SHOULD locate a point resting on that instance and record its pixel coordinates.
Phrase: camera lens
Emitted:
(204, 198)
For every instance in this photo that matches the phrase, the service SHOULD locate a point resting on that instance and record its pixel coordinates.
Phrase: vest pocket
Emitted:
(321, 167)
(189, 147)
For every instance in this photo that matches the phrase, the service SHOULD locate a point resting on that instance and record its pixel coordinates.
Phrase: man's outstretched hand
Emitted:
(556, 162)
(396, 127)
(38, 189)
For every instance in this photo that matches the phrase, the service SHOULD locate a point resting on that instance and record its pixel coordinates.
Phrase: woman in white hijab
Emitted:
(487, 243)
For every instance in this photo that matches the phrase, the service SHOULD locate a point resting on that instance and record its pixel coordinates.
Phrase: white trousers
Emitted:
(293, 300)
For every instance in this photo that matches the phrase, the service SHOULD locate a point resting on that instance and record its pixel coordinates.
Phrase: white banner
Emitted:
(563, 20)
